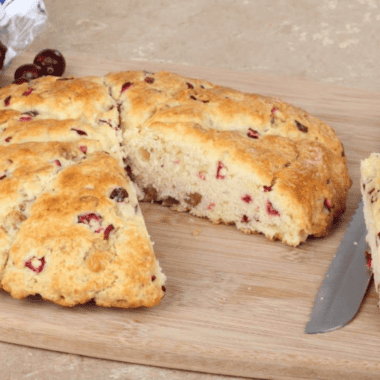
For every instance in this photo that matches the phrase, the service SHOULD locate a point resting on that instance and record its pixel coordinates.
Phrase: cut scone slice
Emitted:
(82, 237)
(370, 189)
(232, 157)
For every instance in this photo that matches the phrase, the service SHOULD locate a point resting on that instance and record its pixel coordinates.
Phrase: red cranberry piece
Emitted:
(273, 110)
(107, 231)
(163, 288)
(301, 127)
(271, 210)
(189, 85)
(7, 100)
(202, 176)
(25, 118)
(211, 206)
(28, 71)
(2, 177)
(368, 259)
(85, 218)
(119, 194)
(193, 97)
(220, 167)
(327, 204)
(267, 188)
(83, 148)
(245, 219)
(38, 269)
(153, 278)
(125, 86)
(28, 92)
(57, 162)
(247, 198)
(149, 80)
(253, 133)
(79, 131)
(8, 139)
(51, 62)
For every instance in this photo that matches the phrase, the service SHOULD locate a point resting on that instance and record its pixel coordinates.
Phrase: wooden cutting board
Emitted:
(235, 304)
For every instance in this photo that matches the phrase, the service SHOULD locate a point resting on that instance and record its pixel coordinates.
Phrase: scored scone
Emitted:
(67, 146)
(71, 228)
(370, 189)
(232, 157)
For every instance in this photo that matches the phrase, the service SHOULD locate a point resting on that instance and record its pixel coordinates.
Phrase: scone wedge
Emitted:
(233, 157)
(370, 189)
(71, 228)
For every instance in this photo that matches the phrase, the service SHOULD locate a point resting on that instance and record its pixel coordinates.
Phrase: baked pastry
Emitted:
(71, 228)
(232, 157)
(235, 158)
(370, 189)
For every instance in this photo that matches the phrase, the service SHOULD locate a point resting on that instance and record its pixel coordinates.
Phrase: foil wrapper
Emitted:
(20, 22)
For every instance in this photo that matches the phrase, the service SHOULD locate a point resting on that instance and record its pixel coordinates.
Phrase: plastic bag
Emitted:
(20, 22)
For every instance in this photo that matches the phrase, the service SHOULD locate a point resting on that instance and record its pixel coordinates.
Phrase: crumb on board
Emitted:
(196, 232)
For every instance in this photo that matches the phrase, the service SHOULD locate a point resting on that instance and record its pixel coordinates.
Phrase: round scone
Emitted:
(233, 157)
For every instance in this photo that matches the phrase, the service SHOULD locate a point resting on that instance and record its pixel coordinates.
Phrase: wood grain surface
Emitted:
(235, 304)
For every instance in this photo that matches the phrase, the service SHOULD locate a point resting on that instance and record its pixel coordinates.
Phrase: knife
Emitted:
(346, 282)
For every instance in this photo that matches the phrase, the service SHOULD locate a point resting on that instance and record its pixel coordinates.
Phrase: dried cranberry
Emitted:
(202, 176)
(245, 219)
(253, 133)
(87, 217)
(163, 288)
(129, 173)
(25, 118)
(57, 162)
(79, 131)
(211, 206)
(273, 110)
(119, 194)
(271, 210)
(301, 127)
(247, 198)
(149, 80)
(38, 269)
(189, 85)
(327, 204)
(153, 278)
(7, 100)
(125, 86)
(193, 97)
(368, 259)
(8, 139)
(267, 188)
(2, 177)
(28, 92)
(107, 231)
(83, 148)
(220, 167)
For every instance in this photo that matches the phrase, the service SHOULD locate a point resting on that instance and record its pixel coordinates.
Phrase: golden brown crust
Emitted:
(279, 145)
(62, 145)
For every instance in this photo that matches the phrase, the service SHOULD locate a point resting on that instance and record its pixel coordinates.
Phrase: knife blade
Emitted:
(346, 281)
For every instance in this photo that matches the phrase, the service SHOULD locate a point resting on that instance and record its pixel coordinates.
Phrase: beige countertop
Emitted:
(327, 41)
